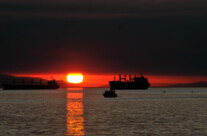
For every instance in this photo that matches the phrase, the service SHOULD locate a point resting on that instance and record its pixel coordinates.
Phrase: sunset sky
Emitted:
(164, 39)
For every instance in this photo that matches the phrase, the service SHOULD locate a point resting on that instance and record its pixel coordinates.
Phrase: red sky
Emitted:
(92, 80)
(104, 37)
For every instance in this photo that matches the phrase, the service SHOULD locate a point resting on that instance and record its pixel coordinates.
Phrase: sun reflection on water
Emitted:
(75, 112)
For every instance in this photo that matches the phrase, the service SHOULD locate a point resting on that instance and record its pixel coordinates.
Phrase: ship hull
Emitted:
(28, 87)
(128, 85)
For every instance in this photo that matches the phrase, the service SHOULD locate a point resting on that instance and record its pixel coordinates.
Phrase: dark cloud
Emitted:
(95, 9)
(104, 37)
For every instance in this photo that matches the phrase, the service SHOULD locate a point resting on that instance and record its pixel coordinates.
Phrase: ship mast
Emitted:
(120, 78)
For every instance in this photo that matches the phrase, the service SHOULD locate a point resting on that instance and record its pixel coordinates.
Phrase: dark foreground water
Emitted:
(154, 112)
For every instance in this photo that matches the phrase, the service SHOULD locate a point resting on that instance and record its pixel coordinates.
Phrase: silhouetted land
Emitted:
(194, 84)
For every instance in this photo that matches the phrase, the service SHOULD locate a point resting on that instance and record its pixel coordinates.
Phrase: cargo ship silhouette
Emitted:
(52, 84)
(132, 83)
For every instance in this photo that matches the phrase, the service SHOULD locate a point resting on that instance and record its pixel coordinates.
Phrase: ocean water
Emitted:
(68, 112)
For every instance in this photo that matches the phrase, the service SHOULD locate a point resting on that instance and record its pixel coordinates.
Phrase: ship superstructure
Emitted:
(132, 82)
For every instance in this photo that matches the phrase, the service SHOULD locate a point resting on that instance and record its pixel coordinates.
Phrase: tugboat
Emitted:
(109, 93)
(137, 82)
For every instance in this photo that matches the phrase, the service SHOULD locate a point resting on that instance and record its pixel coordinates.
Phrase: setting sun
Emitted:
(75, 78)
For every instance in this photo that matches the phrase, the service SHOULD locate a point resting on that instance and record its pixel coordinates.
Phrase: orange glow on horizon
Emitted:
(75, 78)
(101, 80)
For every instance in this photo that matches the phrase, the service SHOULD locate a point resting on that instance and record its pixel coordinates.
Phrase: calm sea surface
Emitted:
(153, 112)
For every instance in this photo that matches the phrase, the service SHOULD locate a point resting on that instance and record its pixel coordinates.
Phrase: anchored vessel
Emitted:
(136, 82)
(16, 86)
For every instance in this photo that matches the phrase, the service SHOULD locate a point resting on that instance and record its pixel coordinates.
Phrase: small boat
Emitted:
(109, 93)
